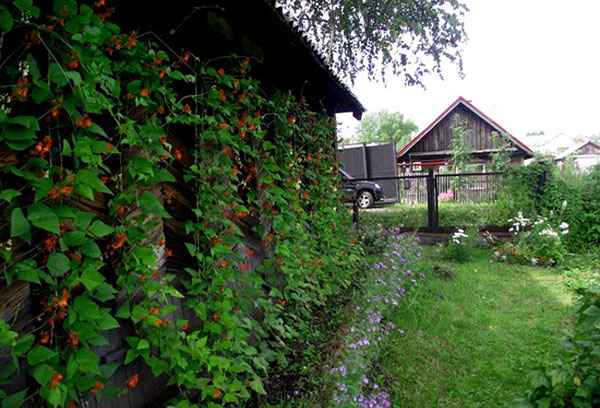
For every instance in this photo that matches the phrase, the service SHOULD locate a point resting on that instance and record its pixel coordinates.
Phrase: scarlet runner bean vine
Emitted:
(89, 120)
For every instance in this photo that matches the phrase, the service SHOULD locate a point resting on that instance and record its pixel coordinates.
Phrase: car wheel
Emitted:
(365, 199)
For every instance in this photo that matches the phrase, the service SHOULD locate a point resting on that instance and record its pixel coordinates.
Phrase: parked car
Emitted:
(366, 193)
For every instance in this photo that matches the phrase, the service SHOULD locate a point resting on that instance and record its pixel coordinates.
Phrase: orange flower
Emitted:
(244, 267)
(250, 252)
(177, 154)
(45, 337)
(144, 93)
(168, 253)
(187, 108)
(133, 381)
(73, 64)
(84, 121)
(222, 93)
(216, 317)
(217, 393)
(55, 380)
(162, 73)
(185, 326)
(161, 110)
(158, 60)
(110, 147)
(270, 237)
(221, 71)
(100, 3)
(97, 387)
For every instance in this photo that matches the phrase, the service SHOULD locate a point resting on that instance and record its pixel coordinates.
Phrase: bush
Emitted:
(573, 380)
(460, 247)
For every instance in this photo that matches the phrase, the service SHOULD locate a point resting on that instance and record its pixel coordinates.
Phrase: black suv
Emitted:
(364, 192)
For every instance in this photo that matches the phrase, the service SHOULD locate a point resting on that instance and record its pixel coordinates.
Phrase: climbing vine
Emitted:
(98, 127)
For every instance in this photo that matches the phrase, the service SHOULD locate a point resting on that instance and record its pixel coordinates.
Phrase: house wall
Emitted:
(438, 138)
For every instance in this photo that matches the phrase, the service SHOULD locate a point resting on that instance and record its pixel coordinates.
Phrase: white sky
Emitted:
(530, 65)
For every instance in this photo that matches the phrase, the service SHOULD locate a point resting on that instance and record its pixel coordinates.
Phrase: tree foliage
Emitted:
(404, 37)
(384, 126)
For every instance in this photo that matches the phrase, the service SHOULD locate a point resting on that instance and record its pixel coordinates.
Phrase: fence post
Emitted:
(432, 204)
(355, 214)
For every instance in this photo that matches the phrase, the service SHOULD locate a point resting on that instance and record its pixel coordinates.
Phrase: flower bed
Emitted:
(386, 287)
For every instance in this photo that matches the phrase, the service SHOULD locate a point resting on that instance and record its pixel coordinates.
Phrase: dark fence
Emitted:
(432, 188)
(460, 188)
(373, 161)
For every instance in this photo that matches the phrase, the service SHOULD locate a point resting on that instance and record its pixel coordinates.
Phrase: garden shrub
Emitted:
(90, 117)
(460, 246)
(574, 379)
(541, 188)
(534, 243)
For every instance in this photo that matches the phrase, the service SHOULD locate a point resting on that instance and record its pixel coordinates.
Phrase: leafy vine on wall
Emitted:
(94, 123)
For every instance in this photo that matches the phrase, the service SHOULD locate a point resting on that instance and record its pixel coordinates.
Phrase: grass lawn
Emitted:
(471, 339)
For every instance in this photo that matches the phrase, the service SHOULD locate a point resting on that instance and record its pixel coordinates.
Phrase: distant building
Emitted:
(554, 145)
(586, 155)
(432, 145)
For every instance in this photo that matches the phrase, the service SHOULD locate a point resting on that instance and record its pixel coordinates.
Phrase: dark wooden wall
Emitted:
(438, 138)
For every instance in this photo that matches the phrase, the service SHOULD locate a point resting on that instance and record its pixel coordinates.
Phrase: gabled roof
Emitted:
(477, 112)
(575, 149)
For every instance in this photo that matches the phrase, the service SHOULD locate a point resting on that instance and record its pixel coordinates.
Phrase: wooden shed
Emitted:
(433, 143)
(282, 59)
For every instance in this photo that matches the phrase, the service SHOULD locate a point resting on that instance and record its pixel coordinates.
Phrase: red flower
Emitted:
(217, 393)
(177, 154)
(185, 326)
(97, 387)
(187, 108)
(158, 60)
(250, 252)
(84, 121)
(55, 380)
(144, 93)
(133, 381)
(161, 110)
(110, 147)
(221, 71)
(244, 267)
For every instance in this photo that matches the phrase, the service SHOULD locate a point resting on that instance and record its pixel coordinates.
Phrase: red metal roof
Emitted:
(473, 109)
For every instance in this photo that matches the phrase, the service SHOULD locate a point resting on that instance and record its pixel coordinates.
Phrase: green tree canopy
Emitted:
(404, 37)
(384, 126)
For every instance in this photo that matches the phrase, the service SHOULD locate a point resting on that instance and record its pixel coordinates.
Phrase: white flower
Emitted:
(534, 261)
(565, 232)
(496, 254)
(563, 225)
(504, 257)
(564, 205)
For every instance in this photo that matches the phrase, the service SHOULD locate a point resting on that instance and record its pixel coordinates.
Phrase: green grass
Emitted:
(450, 215)
(471, 339)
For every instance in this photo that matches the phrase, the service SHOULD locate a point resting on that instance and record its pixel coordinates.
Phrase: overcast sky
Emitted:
(531, 65)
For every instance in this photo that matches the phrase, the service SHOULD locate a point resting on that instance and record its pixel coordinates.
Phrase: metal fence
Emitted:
(432, 188)
(460, 188)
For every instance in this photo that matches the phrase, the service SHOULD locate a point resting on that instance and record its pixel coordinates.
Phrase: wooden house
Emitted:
(432, 145)
(586, 155)
(282, 59)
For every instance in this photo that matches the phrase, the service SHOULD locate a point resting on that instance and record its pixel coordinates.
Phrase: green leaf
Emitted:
(150, 204)
(42, 373)
(56, 74)
(123, 312)
(14, 400)
(58, 264)
(107, 322)
(8, 194)
(39, 354)
(91, 278)
(33, 68)
(100, 229)
(6, 21)
(88, 361)
(43, 217)
(26, 271)
(19, 227)
(23, 345)
(91, 249)
(86, 308)
(75, 238)
(257, 386)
